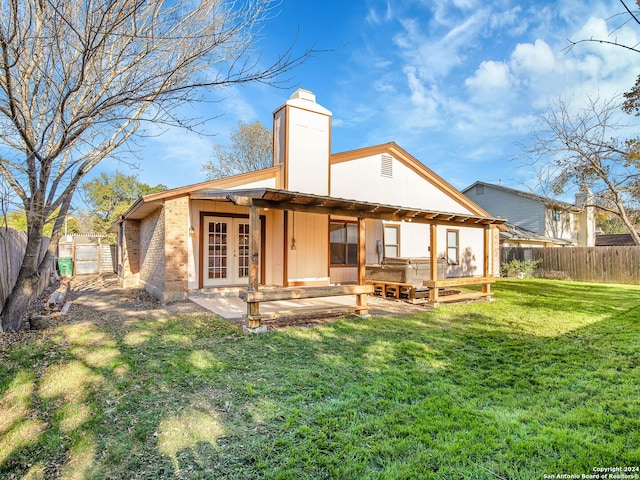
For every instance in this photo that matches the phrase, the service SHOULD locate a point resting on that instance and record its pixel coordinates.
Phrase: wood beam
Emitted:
(458, 281)
(241, 201)
(253, 308)
(361, 298)
(433, 247)
(365, 213)
(296, 293)
(486, 288)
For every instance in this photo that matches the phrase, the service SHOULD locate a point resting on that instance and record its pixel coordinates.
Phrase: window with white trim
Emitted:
(453, 247)
(392, 241)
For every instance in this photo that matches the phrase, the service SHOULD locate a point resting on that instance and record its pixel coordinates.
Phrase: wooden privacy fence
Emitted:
(13, 244)
(586, 264)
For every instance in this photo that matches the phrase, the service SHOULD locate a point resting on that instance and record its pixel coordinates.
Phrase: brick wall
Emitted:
(129, 268)
(176, 273)
(152, 261)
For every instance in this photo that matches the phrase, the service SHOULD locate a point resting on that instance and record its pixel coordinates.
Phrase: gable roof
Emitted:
(148, 203)
(414, 164)
(550, 202)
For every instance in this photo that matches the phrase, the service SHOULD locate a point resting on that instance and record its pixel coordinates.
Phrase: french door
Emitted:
(226, 251)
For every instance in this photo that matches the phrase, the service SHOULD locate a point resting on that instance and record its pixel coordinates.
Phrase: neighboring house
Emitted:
(521, 237)
(534, 220)
(313, 219)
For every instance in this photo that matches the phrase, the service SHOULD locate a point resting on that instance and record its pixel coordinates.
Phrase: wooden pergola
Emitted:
(261, 198)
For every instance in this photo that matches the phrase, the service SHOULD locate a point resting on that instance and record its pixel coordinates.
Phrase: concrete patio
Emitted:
(233, 308)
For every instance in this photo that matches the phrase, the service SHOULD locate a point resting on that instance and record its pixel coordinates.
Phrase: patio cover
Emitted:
(306, 202)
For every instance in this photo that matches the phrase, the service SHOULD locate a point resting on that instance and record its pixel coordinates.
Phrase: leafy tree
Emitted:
(581, 150)
(610, 224)
(109, 196)
(250, 150)
(79, 78)
(631, 103)
(18, 221)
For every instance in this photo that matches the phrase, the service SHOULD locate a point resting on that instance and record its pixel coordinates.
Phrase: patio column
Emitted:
(361, 298)
(433, 247)
(253, 308)
(486, 288)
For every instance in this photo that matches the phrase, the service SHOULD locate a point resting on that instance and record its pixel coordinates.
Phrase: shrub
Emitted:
(519, 268)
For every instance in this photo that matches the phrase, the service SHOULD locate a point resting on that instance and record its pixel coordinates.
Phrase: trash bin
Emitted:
(65, 267)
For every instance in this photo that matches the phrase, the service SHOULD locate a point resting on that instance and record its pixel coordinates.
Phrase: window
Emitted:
(453, 247)
(343, 241)
(391, 241)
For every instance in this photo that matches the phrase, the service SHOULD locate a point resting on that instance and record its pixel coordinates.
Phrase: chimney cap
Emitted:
(303, 94)
(306, 100)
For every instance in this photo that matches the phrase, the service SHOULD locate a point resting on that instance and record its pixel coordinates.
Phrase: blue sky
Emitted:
(457, 83)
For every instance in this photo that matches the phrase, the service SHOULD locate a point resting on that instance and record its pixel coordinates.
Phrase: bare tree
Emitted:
(631, 104)
(582, 151)
(79, 78)
(625, 17)
(250, 150)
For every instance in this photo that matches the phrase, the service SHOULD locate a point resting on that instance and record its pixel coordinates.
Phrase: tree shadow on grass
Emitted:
(451, 393)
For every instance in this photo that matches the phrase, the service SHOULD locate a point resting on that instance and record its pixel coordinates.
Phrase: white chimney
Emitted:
(586, 219)
(301, 142)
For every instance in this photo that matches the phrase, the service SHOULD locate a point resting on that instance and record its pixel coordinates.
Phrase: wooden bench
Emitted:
(393, 289)
(270, 294)
(435, 286)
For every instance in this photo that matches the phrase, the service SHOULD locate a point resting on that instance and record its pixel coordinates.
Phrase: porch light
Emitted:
(191, 230)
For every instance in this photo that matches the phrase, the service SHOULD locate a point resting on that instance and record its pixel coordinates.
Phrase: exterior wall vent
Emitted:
(386, 166)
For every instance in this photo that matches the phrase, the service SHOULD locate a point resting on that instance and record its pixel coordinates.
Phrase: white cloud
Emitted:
(381, 86)
(511, 21)
(435, 55)
(491, 78)
(418, 92)
(374, 17)
(537, 58)
(523, 123)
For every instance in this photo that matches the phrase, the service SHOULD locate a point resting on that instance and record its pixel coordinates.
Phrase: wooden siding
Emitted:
(470, 251)
(374, 234)
(586, 264)
(308, 263)
(518, 210)
(405, 187)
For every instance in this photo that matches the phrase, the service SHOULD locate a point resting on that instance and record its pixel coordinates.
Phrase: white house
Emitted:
(306, 226)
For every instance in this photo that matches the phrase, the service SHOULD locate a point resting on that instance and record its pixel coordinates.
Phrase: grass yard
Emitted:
(543, 381)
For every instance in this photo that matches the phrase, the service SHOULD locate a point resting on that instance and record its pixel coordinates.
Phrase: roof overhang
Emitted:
(137, 211)
(310, 203)
(518, 234)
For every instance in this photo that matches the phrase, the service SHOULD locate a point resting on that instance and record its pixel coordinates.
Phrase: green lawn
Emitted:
(545, 380)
